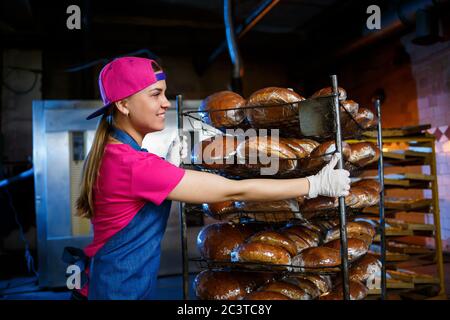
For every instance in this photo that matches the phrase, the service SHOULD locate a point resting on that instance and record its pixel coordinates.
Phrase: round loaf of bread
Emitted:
(216, 152)
(223, 109)
(365, 267)
(305, 284)
(322, 282)
(300, 243)
(356, 247)
(354, 228)
(369, 184)
(267, 206)
(258, 252)
(358, 291)
(328, 91)
(266, 295)
(256, 152)
(363, 153)
(219, 285)
(272, 114)
(304, 232)
(216, 241)
(350, 106)
(323, 153)
(288, 289)
(276, 239)
(365, 118)
(317, 257)
(219, 209)
(306, 144)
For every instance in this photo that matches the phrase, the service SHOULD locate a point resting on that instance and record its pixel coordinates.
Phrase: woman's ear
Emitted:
(122, 106)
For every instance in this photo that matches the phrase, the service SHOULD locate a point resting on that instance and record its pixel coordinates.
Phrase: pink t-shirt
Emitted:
(127, 180)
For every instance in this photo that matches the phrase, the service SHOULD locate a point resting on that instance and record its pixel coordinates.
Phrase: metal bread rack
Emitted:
(327, 112)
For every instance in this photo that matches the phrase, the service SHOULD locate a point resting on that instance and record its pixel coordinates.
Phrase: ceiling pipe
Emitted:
(233, 50)
(392, 22)
(260, 11)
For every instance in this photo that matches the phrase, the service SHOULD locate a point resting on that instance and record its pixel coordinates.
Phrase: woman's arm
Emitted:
(201, 187)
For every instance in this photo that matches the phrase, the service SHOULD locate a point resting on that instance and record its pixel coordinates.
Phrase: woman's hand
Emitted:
(330, 182)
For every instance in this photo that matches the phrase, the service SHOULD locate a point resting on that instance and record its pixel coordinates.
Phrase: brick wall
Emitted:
(431, 69)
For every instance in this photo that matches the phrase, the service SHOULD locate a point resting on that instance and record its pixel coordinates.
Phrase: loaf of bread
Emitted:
(322, 282)
(223, 285)
(327, 203)
(353, 228)
(356, 247)
(313, 237)
(276, 239)
(365, 118)
(271, 96)
(210, 285)
(358, 291)
(329, 91)
(219, 210)
(350, 106)
(268, 206)
(223, 109)
(257, 152)
(216, 152)
(288, 289)
(323, 153)
(368, 184)
(363, 153)
(266, 295)
(258, 252)
(365, 267)
(306, 285)
(307, 145)
(300, 243)
(317, 257)
(216, 241)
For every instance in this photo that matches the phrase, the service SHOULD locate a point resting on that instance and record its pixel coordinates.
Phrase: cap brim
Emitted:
(98, 112)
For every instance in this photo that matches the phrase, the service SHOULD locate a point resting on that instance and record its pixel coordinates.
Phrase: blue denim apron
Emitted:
(126, 267)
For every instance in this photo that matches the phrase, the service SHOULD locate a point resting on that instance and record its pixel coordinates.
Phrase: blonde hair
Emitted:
(85, 202)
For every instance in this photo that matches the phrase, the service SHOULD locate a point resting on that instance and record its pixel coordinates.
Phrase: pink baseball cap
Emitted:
(124, 77)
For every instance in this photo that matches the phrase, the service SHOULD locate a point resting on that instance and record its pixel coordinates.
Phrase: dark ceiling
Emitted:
(293, 30)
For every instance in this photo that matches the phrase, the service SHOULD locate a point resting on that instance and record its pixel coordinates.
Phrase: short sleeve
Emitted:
(153, 178)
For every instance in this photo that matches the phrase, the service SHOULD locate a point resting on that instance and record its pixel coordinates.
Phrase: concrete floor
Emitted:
(169, 288)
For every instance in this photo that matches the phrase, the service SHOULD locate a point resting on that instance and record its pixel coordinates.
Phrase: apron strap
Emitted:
(124, 137)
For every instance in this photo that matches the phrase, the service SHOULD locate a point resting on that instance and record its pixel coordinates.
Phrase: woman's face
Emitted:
(148, 108)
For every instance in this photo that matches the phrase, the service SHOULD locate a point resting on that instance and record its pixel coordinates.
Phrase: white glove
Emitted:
(330, 182)
(178, 150)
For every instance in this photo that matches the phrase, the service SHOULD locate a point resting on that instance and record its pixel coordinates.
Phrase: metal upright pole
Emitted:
(183, 226)
(342, 216)
(381, 205)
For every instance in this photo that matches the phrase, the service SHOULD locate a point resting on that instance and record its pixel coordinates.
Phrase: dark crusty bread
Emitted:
(261, 117)
(358, 291)
(276, 239)
(216, 152)
(216, 241)
(265, 295)
(288, 289)
(227, 101)
(258, 252)
(356, 247)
